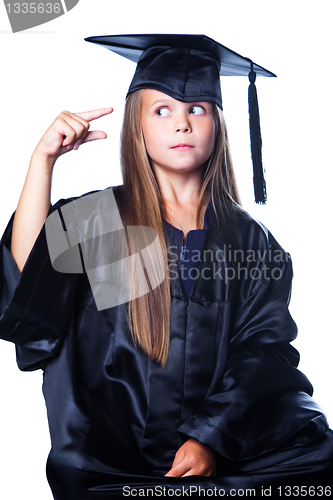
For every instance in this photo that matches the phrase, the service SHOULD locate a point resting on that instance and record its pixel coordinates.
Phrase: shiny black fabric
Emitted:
(185, 74)
(231, 382)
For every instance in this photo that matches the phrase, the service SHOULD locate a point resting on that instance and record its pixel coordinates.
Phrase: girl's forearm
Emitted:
(32, 208)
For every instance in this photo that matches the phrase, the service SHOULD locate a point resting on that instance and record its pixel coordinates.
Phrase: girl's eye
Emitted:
(197, 110)
(162, 112)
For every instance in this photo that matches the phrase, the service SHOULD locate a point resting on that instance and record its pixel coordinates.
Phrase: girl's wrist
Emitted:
(42, 161)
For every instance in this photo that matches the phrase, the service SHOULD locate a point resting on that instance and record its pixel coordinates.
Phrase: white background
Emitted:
(50, 68)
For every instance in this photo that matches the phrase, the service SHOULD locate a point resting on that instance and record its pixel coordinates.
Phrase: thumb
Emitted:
(178, 469)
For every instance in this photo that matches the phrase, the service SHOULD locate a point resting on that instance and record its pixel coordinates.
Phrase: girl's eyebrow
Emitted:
(160, 101)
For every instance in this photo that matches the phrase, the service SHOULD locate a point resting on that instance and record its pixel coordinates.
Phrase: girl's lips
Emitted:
(182, 147)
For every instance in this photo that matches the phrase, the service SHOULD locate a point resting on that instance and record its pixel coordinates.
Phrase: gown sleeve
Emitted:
(35, 305)
(260, 400)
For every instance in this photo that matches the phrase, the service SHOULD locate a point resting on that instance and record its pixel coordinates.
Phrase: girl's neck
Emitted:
(179, 188)
(184, 216)
(181, 194)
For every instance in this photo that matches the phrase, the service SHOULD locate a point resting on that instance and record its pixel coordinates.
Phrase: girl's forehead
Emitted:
(150, 97)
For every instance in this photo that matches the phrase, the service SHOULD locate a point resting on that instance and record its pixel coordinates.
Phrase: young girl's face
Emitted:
(179, 136)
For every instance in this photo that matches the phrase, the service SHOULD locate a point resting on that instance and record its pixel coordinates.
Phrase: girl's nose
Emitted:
(182, 124)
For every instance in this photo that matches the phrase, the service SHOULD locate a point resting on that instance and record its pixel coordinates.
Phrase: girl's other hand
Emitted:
(69, 131)
(193, 459)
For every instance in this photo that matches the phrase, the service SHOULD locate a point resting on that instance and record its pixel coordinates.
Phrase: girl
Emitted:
(191, 383)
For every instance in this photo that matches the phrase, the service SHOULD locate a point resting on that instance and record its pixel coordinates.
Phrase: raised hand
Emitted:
(69, 131)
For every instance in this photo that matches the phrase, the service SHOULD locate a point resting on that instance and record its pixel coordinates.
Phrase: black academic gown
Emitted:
(117, 419)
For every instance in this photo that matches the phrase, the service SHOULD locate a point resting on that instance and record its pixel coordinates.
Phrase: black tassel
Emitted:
(255, 136)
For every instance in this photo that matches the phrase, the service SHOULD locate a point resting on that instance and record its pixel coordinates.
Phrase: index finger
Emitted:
(94, 114)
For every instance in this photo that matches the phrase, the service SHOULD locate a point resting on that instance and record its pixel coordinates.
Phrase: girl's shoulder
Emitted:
(242, 231)
(93, 195)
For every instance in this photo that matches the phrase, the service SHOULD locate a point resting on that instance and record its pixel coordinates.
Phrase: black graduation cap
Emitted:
(188, 68)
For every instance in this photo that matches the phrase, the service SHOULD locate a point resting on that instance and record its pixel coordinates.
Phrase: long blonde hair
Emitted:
(142, 205)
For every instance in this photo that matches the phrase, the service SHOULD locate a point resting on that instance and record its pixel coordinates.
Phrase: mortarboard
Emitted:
(188, 68)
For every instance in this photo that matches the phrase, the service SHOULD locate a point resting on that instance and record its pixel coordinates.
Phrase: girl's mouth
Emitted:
(182, 147)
